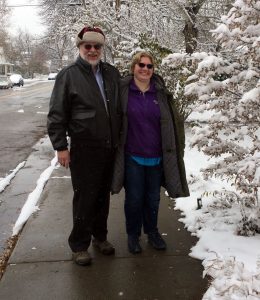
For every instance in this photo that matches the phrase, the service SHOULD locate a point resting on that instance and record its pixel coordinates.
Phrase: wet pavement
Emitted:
(41, 266)
(23, 113)
(14, 196)
(22, 122)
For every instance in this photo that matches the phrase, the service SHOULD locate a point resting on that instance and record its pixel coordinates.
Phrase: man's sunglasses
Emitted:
(142, 65)
(96, 46)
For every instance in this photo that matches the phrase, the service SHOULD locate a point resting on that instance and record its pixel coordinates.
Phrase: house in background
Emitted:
(6, 68)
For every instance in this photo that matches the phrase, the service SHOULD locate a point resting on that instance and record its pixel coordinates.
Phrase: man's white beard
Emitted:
(94, 63)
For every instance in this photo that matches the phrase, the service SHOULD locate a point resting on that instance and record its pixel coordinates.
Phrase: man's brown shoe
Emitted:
(104, 247)
(81, 258)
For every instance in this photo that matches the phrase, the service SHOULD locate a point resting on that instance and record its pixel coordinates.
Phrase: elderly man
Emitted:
(84, 105)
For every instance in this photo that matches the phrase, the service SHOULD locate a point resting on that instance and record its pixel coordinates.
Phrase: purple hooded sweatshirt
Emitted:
(144, 128)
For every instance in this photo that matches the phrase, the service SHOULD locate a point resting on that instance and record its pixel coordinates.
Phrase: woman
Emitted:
(150, 153)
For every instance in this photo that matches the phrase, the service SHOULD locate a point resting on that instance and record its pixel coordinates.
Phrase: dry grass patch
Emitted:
(4, 257)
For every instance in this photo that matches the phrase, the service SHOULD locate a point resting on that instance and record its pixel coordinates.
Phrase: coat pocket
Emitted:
(84, 122)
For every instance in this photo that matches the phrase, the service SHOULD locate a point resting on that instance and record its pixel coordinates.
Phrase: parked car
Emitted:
(5, 82)
(17, 79)
(52, 76)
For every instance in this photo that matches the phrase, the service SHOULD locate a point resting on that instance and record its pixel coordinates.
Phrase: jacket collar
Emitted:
(86, 66)
(158, 81)
(133, 86)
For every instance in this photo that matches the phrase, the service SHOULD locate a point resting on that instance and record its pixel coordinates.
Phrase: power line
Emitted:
(23, 5)
(30, 5)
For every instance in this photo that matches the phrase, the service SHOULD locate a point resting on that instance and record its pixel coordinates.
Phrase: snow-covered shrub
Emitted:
(178, 71)
(124, 51)
(152, 45)
(231, 280)
(229, 85)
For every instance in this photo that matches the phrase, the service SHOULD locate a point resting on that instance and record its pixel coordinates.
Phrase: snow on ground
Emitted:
(4, 182)
(31, 82)
(30, 205)
(232, 261)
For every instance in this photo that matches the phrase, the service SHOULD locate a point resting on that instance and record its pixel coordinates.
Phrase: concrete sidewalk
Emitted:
(41, 267)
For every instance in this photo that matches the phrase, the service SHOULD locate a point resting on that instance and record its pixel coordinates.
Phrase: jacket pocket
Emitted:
(84, 123)
(83, 115)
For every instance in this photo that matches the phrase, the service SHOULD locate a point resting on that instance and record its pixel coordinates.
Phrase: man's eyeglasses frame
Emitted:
(95, 46)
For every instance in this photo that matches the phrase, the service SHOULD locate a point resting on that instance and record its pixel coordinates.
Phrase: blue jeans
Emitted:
(142, 196)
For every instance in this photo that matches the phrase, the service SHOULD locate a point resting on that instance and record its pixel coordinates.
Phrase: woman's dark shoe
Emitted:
(133, 244)
(156, 241)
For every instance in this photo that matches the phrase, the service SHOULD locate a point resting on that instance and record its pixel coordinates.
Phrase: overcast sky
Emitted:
(25, 17)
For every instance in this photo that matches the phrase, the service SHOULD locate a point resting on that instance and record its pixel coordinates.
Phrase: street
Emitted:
(23, 114)
(22, 122)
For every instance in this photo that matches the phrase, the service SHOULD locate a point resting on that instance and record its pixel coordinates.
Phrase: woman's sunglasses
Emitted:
(142, 65)
(96, 46)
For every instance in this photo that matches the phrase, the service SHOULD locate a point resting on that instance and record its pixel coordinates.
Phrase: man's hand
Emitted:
(64, 158)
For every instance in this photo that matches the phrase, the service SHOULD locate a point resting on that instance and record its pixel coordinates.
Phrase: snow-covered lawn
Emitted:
(232, 261)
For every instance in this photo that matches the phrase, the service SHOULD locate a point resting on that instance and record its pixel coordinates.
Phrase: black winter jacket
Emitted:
(77, 107)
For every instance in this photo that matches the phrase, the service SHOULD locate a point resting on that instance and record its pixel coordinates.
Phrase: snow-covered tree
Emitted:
(27, 54)
(178, 70)
(174, 24)
(229, 85)
(4, 37)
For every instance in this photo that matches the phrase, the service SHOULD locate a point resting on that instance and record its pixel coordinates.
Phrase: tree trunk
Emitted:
(190, 30)
(118, 6)
(190, 34)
